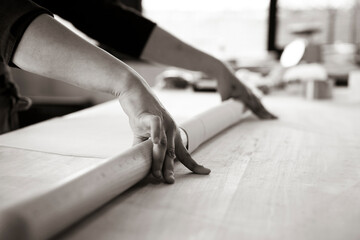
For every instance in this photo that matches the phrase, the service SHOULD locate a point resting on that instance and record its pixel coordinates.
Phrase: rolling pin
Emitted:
(46, 214)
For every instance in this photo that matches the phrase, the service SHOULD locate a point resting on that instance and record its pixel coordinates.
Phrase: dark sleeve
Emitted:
(15, 17)
(106, 21)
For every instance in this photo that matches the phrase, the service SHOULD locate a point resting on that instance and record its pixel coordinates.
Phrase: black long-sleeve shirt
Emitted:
(106, 21)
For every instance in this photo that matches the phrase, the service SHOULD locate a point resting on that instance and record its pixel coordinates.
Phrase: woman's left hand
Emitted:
(229, 86)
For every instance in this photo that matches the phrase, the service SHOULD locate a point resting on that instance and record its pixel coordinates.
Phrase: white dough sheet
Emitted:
(103, 131)
(92, 188)
(83, 134)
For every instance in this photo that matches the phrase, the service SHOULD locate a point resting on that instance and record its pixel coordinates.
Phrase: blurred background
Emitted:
(250, 35)
(242, 29)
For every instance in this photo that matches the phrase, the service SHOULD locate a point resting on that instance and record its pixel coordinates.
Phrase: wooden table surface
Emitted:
(293, 178)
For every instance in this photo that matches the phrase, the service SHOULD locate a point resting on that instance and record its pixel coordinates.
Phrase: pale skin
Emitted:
(49, 49)
(163, 47)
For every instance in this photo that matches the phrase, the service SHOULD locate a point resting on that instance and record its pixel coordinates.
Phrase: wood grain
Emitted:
(24, 173)
(36, 158)
(87, 190)
(295, 178)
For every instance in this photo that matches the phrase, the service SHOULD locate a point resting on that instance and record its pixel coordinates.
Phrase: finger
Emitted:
(139, 139)
(268, 115)
(153, 123)
(159, 155)
(263, 113)
(254, 103)
(259, 110)
(184, 157)
(255, 107)
(273, 116)
(168, 168)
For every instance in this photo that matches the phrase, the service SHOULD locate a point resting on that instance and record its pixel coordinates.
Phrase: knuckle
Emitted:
(171, 152)
(156, 119)
(141, 137)
(170, 123)
(173, 125)
(163, 142)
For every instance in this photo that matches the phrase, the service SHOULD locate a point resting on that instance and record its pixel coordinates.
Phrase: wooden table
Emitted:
(294, 178)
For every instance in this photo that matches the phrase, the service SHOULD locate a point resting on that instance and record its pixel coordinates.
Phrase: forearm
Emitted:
(49, 49)
(163, 47)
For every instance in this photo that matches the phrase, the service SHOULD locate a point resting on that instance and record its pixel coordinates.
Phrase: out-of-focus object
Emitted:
(305, 32)
(291, 56)
(339, 60)
(306, 72)
(302, 49)
(181, 79)
(262, 65)
(311, 80)
(354, 85)
(174, 79)
(293, 53)
(204, 84)
(255, 81)
(317, 89)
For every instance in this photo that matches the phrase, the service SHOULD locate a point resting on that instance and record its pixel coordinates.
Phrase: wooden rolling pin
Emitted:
(46, 214)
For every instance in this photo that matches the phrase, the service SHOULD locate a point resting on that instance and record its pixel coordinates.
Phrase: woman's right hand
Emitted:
(149, 119)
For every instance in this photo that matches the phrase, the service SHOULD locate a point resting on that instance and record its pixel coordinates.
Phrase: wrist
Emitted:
(217, 70)
(213, 67)
(132, 84)
(137, 97)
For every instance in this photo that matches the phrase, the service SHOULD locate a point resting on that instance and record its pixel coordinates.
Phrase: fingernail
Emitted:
(157, 174)
(202, 170)
(171, 179)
